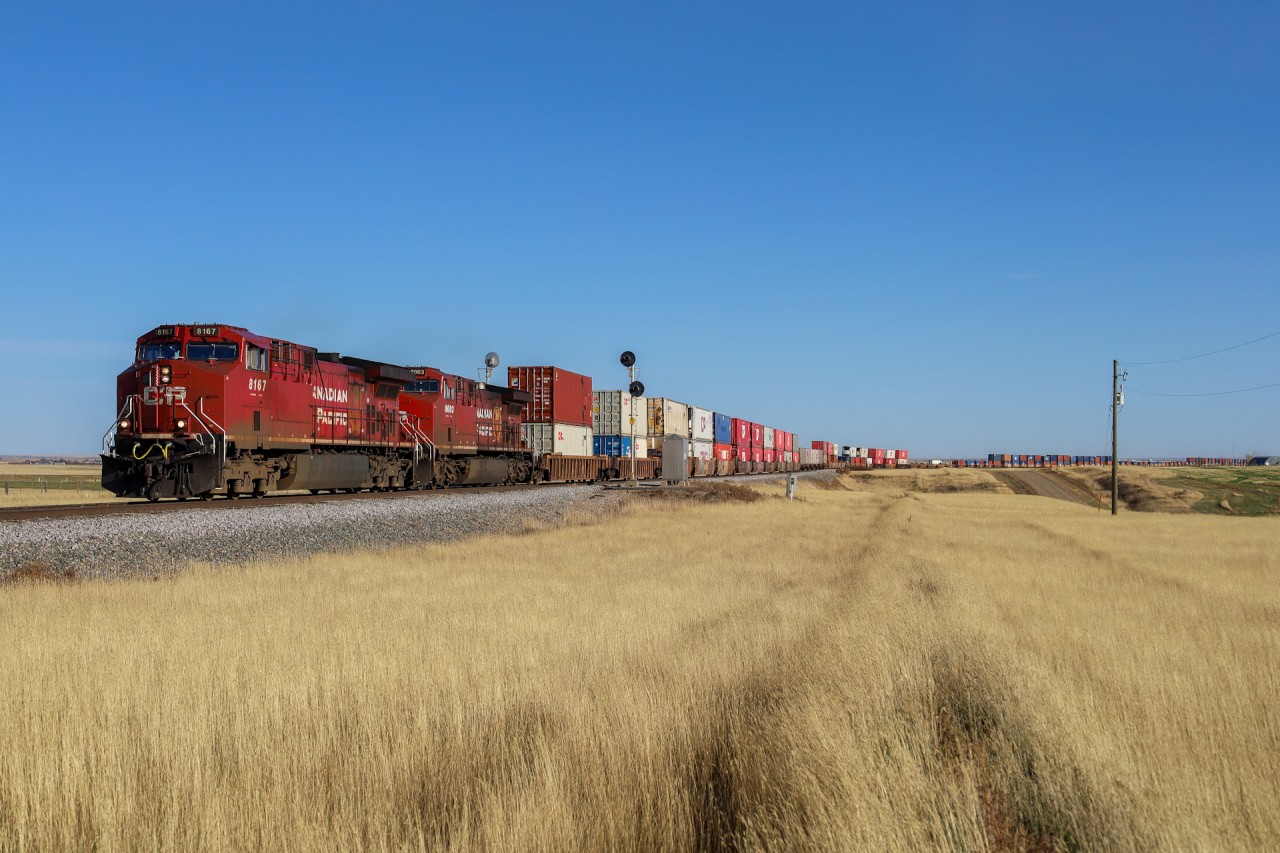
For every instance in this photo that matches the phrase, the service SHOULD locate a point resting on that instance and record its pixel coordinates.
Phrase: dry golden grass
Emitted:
(854, 670)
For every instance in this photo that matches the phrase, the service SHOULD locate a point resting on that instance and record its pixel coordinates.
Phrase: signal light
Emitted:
(165, 374)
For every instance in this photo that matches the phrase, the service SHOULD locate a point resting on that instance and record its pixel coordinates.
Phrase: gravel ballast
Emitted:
(160, 543)
(148, 544)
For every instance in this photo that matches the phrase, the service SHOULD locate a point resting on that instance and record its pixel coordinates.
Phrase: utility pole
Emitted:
(1115, 436)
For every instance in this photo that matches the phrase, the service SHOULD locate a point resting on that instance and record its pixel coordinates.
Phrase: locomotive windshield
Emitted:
(156, 352)
(425, 386)
(212, 352)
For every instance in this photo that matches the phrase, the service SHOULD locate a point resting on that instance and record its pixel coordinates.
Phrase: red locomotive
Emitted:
(216, 409)
(471, 429)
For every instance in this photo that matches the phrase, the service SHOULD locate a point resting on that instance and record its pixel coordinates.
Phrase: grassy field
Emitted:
(24, 484)
(869, 667)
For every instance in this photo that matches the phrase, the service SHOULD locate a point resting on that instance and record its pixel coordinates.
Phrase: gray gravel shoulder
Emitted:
(160, 543)
(141, 544)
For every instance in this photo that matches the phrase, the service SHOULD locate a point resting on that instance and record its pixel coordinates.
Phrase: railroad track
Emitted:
(28, 513)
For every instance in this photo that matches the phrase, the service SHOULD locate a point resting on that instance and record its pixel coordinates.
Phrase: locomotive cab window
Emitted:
(157, 352)
(212, 352)
(424, 386)
(255, 358)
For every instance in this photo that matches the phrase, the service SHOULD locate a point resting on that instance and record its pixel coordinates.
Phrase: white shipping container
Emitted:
(862, 452)
(565, 439)
(611, 413)
(702, 424)
(667, 417)
(768, 438)
(700, 449)
(812, 456)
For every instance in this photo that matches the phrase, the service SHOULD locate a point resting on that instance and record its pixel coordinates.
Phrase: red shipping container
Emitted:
(757, 435)
(743, 452)
(757, 454)
(768, 455)
(791, 441)
(559, 396)
(742, 433)
(723, 451)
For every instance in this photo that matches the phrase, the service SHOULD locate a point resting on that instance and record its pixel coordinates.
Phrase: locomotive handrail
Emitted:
(125, 411)
(419, 439)
(220, 447)
(195, 417)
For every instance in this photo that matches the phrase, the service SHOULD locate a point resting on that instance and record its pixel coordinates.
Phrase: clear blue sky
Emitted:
(929, 227)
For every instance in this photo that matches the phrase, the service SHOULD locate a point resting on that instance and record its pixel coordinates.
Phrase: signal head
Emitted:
(637, 389)
(628, 358)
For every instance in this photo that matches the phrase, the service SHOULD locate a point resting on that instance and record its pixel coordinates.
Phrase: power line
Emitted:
(1202, 355)
(1207, 394)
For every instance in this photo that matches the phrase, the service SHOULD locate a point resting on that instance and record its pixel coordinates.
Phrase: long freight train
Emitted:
(213, 409)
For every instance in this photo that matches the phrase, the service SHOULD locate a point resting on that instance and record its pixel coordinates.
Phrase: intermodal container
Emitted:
(723, 452)
(757, 435)
(667, 417)
(611, 413)
(768, 455)
(702, 425)
(742, 452)
(789, 442)
(767, 435)
(724, 429)
(566, 439)
(741, 432)
(619, 445)
(699, 449)
(559, 396)
(757, 455)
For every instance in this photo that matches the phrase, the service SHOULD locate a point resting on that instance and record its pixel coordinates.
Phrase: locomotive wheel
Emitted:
(206, 496)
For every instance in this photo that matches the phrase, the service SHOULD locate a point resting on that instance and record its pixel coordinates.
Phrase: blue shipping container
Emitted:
(612, 445)
(723, 427)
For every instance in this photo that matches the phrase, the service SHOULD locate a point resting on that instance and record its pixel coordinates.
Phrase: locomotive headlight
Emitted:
(166, 374)
(124, 424)
(182, 423)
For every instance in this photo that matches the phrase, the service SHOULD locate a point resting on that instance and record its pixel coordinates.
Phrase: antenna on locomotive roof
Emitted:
(491, 360)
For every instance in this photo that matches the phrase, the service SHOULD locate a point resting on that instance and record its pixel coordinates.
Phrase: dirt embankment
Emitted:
(1140, 488)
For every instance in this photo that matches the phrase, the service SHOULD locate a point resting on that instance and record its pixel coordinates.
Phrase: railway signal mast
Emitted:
(636, 390)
